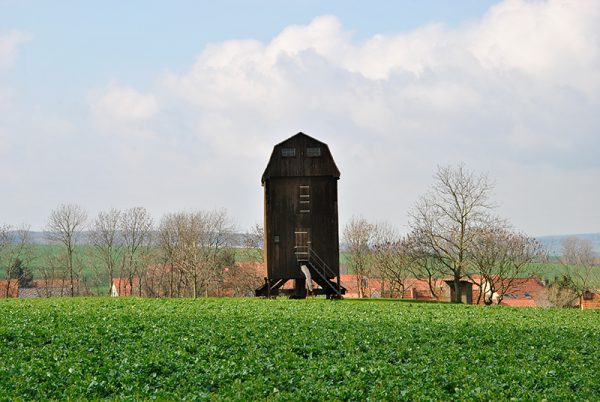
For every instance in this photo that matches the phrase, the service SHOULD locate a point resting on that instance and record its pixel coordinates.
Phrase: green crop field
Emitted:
(245, 349)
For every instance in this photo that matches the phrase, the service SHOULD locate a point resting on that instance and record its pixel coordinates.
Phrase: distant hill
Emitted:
(552, 243)
(237, 239)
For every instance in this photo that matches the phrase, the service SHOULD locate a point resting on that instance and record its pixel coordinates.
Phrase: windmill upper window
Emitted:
(313, 152)
(288, 152)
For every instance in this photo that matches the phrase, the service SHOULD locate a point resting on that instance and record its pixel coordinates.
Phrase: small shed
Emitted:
(466, 290)
(301, 218)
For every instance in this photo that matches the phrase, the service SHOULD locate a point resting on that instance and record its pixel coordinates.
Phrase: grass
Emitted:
(243, 349)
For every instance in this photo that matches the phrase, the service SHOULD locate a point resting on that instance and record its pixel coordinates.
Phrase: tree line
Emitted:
(188, 253)
(455, 233)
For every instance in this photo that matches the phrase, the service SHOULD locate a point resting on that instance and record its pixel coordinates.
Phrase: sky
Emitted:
(177, 105)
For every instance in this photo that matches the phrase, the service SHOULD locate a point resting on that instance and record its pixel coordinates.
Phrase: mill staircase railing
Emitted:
(308, 255)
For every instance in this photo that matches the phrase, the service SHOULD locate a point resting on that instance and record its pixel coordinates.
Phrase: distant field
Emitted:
(255, 349)
(546, 271)
(85, 255)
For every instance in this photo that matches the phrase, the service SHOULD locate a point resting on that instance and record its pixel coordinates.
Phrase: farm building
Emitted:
(301, 219)
(419, 289)
(122, 287)
(466, 290)
(590, 299)
(161, 280)
(49, 288)
(523, 292)
(529, 292)
(369, 287)
(411, 288)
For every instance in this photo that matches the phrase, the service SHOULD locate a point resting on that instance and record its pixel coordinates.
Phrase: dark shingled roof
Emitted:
(301, 164)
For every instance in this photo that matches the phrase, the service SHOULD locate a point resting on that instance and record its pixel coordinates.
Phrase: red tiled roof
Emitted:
(522, 292)
(349, 282)
(50, 288)
(418, 289)
(591, 299)
(123, 286)
(257, 268)
(54, 283)
(518, 302)
(9, 288)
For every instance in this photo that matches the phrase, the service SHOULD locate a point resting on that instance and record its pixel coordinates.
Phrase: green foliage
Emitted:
(19, 271)
(250, 349)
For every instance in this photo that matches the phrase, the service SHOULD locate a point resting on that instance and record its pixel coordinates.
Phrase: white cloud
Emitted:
(9, 46)
(515, 93)
(123, 103)
(555, 41)
(519, 86)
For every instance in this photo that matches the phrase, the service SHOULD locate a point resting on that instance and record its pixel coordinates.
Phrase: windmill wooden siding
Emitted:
(300, 197)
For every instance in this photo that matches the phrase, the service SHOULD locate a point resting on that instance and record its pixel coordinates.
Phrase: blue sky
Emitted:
(121, 104)
(83, 43)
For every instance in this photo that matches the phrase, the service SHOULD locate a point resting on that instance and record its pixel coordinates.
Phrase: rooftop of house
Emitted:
(9, 288)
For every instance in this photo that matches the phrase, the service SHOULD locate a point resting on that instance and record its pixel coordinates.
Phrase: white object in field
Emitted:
(113, 291)
(306, 273)
(487, 293)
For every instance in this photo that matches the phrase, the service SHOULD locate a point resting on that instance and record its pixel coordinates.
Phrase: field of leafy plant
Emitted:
(95, 348)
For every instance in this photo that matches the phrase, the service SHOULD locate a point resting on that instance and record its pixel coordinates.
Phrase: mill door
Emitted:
(302, 245)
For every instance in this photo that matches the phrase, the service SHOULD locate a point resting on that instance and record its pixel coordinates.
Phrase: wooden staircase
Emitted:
(319, 271)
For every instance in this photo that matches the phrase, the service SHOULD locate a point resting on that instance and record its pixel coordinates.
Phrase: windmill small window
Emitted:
(288, 152)
(313, 152)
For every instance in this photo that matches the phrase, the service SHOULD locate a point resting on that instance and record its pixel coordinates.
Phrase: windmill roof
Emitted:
(300, 163)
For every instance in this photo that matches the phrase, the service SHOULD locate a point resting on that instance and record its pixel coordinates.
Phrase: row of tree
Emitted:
(185, 254)
(455, 233)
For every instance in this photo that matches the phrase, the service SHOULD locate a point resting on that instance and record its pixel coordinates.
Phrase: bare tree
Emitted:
(136, 229)
(560, 292)
(254, 244)
(389, 259)
(64, 227)
(243, 278)
(359, 235)
(169, 242)
(15, 250)
(446, 218)
(51, 272)
(579, 263)
(501, 261)
(195, 253)
(216, 240)
(422, 264)
(192, 254)
(107, 242)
